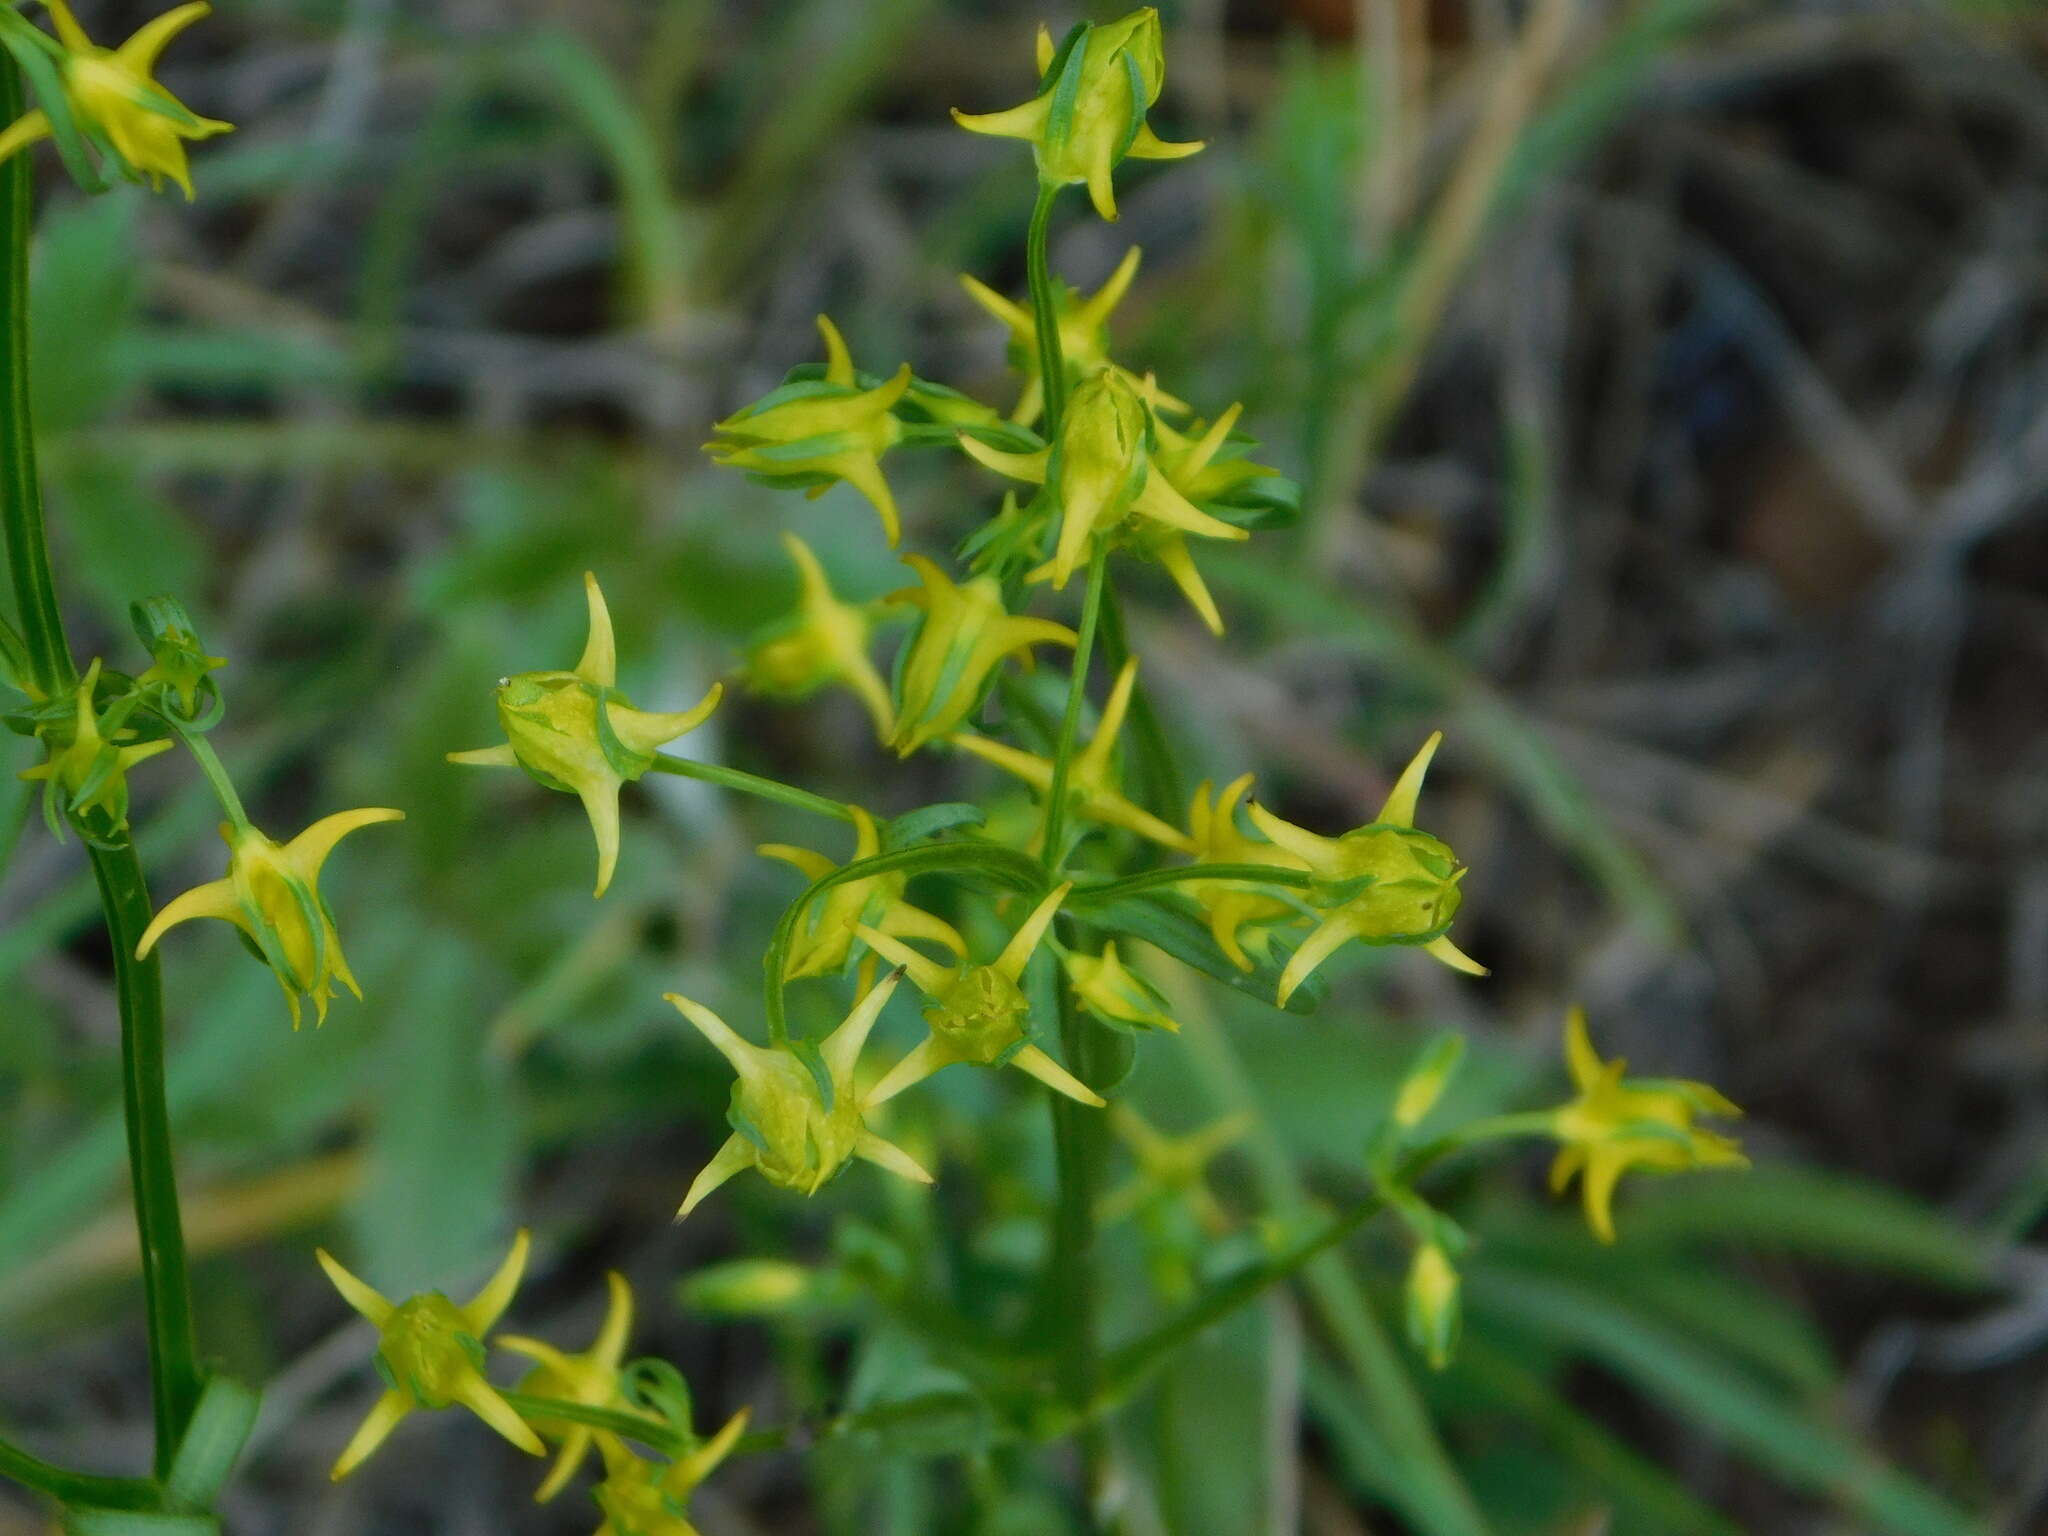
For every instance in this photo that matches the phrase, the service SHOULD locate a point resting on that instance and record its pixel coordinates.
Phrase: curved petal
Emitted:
(375, 1430)
(735, 1155)
(929, 1055)
(886, 1154)
(838, 361)
(841, 1049)
(926, 973)
(1024, 942)
(645, 730)
(1311, 849)
(1097, 309)
(1441, 948)
(1056, 1077)
(489, 1304)
(575, 1446)
(601, 805)
(482, 1399)
(501, 756)
(599, 663)
(140, 53)
(216, 898)
(307, 852)
(360, 1296)
(1024, 122)
(1014, 316)
(743, 1054)
(24, 131)
(1325, 941)
(1399, 811)
(1028, 467)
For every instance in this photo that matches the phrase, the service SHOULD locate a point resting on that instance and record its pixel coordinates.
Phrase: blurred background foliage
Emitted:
(1669, 380)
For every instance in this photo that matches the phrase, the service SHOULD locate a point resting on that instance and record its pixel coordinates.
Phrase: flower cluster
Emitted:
(432, 1354)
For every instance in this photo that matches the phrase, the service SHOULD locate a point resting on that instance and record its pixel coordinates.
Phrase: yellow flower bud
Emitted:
(86, 775)
(649, 1498)
(750, 1288)
(1383, 883)
(1094, 92)
(430, 1352)
(824, 641)
(272, 894)
(825, 942)
(978, 1013)
(1083, 326)
(1233, 906)
(1615, 1125)
(1116, 994)
(1100, 474)
(798, 1123)
(1426, 1080)
(113, 92)
(591, 1379)
(1091, 777)
(951, 658)
(575, 732)
(816, 432)
(1434, 1315)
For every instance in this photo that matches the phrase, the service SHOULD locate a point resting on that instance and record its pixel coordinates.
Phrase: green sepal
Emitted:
(737, 1119)
(1065, 73)
(805, 1050)
(38, 54)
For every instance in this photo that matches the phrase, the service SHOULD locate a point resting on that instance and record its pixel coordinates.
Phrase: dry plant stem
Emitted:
(1452, 229)
(175, 1376)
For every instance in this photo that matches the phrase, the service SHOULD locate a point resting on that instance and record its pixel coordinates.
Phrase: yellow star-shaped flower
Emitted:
(816, 432)
(591, 1379)
(1091, 776)
(786, 1124)
(1615, 1125)
(1083, 326)
(114, 92)
(827, 938)
(430, 1350)
(1090, 111)
(978, 1013)
(1386, 882)
(1232, 905)
(825, 641)
(89, 774)
(965, 634)
(575, 732)
(272, 894)
(648, 1498)
(1101, 474)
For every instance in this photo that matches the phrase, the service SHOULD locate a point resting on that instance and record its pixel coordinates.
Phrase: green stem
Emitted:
(1077, 694)
(21, 502)
(216, 775)
(650, 1432)
(1180, 874)
(752, 784)
(1069, 1297)
(175, 1375)
(1045, 319)
(69, 1487)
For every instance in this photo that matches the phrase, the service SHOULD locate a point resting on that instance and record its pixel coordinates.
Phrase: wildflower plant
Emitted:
(1096, 466)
